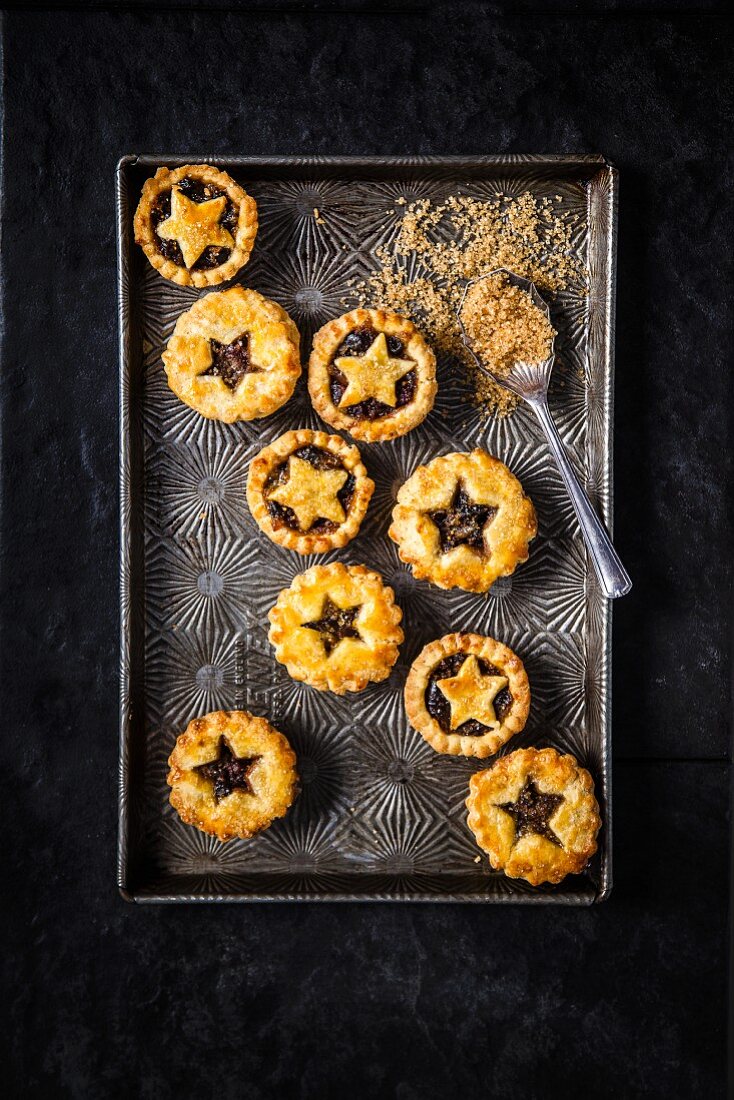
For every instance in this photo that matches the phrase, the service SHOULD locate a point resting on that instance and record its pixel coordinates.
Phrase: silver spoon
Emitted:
(530, 381)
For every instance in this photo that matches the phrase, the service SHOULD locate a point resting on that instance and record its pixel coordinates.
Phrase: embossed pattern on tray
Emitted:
(380, 815)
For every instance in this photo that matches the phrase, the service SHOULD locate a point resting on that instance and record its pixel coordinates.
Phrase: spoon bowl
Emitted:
(527, 380)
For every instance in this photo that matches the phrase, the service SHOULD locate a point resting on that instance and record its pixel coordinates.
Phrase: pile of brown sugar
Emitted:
(440, 247)
(504, 326)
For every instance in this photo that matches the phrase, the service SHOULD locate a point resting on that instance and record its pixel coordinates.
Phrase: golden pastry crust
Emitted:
(552, 829)
(462, 521)
(375, 375)
(489, 688)
(253, 790)
(238, 210)
(321, 474)
(233, 356)
(354, 634)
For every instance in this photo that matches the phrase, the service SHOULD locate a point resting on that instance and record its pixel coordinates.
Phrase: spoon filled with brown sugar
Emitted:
(505, 325)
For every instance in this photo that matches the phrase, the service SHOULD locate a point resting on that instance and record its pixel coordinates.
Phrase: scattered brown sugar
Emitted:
(504, 326)
(440, 247)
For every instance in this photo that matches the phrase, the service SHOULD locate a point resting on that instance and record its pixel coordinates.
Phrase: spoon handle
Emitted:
(612, 575)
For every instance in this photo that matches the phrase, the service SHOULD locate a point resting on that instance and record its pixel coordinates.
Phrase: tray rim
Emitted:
(606, 499)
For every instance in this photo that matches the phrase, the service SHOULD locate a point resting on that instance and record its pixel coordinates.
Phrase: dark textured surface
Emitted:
(627, 999)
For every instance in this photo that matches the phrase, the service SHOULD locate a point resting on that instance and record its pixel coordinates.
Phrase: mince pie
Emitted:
(195, 224)
(467, 695)
(336, 628)
(535, 814)
(231, 774)
(233, 356)
(309, 491)
(463, 521)
(372, 374)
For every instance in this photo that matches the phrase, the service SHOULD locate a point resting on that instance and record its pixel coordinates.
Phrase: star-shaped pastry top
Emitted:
(311, 493)
(335, 624)
(231, 362)
(373, 374)
(463, 522)
(472, 695)
(532, 812)
(228, 772)
(195, 225)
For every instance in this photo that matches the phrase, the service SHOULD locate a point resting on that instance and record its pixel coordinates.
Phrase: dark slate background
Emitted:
(107, 999)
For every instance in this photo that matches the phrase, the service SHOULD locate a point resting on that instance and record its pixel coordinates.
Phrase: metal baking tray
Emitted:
(381, 815)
